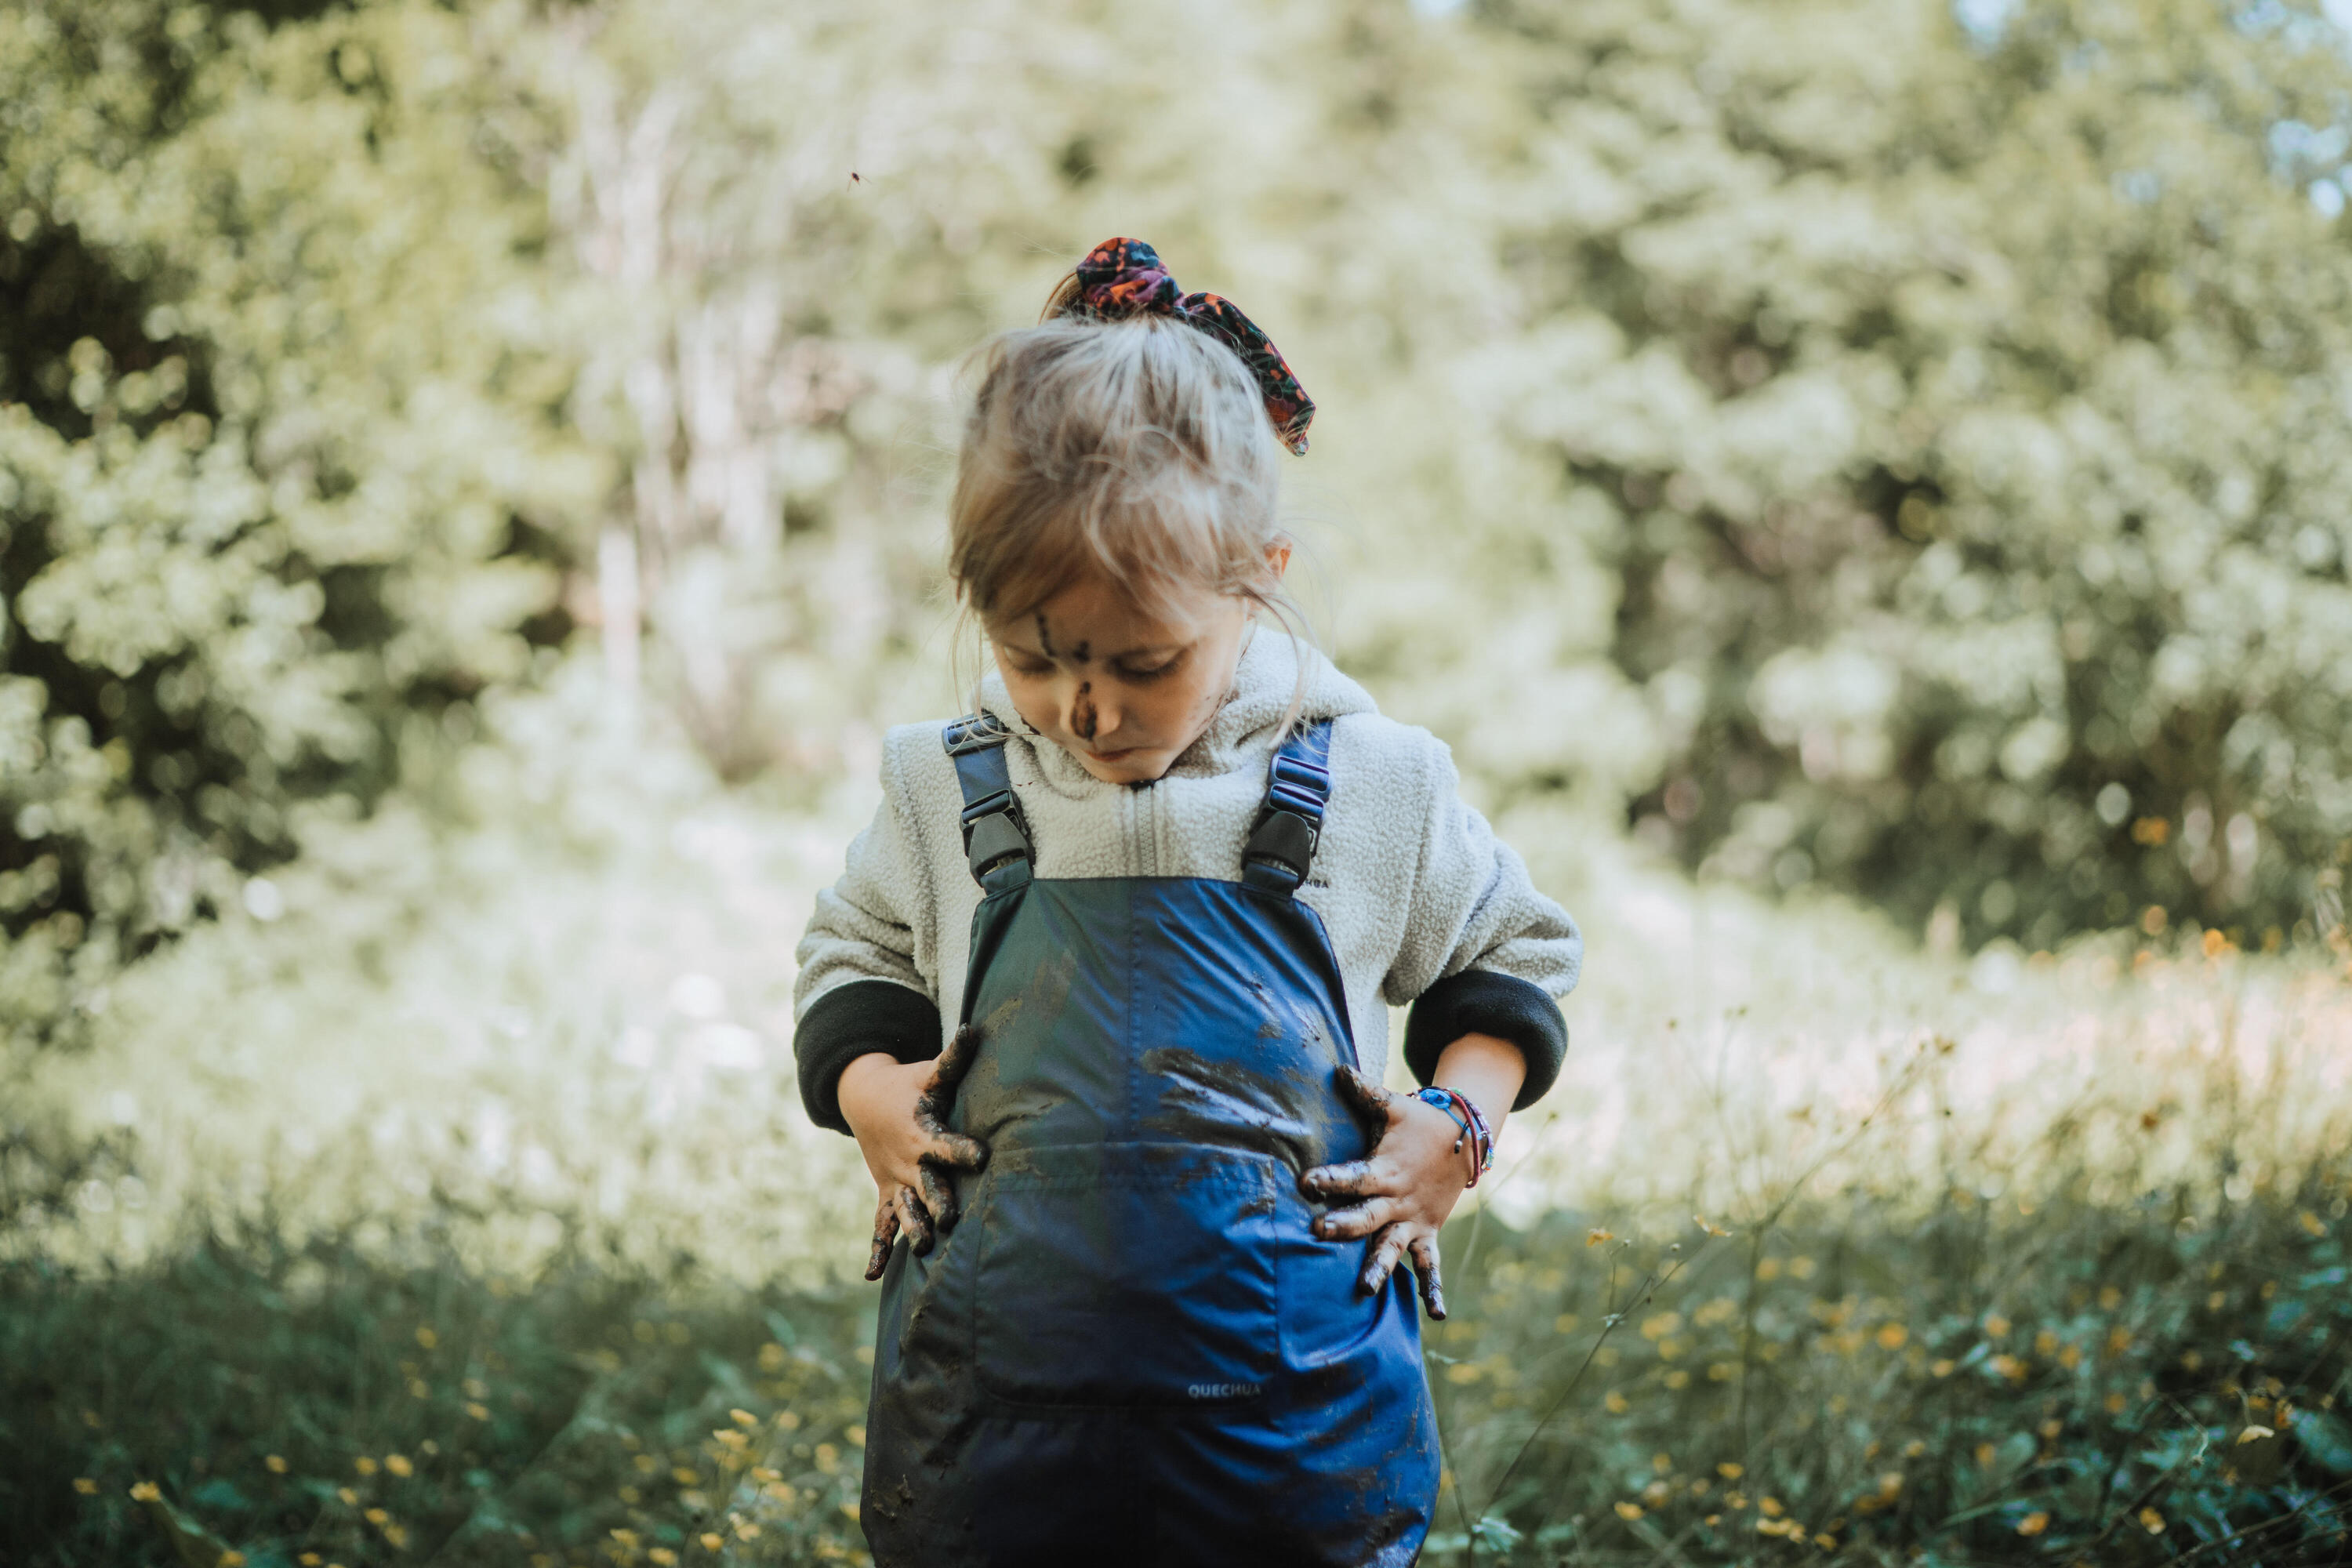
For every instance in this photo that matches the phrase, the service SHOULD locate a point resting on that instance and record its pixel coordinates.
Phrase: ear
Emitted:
(1278, 558)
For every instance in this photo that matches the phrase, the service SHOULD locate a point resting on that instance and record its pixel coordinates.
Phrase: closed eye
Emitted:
(1141, 672)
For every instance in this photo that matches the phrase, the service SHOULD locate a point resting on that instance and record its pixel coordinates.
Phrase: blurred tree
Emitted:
(281, 474)
(1963, 412)
(1848, 442)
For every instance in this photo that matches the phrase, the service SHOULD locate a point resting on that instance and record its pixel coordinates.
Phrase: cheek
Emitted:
(1032, 697)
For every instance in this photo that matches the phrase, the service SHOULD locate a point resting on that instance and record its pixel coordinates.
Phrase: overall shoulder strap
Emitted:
(1281, 845)
(995, 835)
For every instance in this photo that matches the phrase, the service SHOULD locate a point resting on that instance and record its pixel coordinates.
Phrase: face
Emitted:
(1123, 691)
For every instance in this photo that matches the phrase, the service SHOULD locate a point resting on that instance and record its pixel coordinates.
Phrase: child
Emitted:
(1162, 881)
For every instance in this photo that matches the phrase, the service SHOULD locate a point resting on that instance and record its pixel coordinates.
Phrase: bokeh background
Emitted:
(1861, 488)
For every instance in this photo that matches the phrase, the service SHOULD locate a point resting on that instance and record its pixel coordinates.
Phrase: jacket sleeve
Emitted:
(860, 987)
(1483, 953)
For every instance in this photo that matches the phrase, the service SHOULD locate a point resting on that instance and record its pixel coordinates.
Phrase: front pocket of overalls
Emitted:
(1127, 1275)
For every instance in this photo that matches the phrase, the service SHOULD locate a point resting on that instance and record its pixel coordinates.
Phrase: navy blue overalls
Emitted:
(1133, 1348)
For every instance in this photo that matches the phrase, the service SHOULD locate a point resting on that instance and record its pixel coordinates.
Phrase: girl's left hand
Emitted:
(1403, 1191)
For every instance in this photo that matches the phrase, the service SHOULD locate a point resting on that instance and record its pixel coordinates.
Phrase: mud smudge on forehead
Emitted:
(1206, 1101)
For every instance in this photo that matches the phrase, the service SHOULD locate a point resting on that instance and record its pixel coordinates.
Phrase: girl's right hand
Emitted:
(898, 1112)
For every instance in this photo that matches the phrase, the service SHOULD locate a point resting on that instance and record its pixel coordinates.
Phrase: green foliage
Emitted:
(328, 1400)
(2142, 1386)
(1993, 1381)
(1862, 451)
(1966, 423)
(279, 466)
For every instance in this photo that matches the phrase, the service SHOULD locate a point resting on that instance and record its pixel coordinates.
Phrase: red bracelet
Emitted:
(1475, 1130)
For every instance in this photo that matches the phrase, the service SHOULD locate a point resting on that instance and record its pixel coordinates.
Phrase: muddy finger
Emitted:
(886, 1235)
(1371, 1102)
(1386, 1251)
(953, 1063)
(938, 1196)
(917, 1219)
(1362, 1219)
(1352, 1179)
(953, 1151)
(1423, 1249)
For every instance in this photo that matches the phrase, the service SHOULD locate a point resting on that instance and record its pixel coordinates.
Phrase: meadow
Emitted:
(1828, 1247)
(1857, 484)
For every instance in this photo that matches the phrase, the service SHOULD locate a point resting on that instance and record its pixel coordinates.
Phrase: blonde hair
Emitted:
(1136, 450)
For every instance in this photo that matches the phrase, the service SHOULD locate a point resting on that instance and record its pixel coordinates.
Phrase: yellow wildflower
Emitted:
(479, 1412)
(398, 1465)
(2033, 1523)
(1942, 1367)
(1996, 1325)
(743, 1418)
(1730, 1470)
(230, 1559)
(375, 1516)
(1892, 1336)
(146, 1491)
(1706, 1225)
(1771, 1507)
(363, 1465)
(1596, 1235)
(713, 1540)
(2253, 1434)
(84, 1485)
(2312, 1224)
(661, 1556)
(350, 1498)
(2151, 1521)
(1629, 1511)
(426, 1337)
(1615, 1403)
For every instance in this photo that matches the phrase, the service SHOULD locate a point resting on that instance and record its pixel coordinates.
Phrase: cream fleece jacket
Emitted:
(1423, 904)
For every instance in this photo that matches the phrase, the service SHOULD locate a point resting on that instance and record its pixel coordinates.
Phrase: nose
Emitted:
(1089, 711)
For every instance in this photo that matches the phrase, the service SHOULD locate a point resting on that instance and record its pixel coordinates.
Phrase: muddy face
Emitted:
(1123, 688)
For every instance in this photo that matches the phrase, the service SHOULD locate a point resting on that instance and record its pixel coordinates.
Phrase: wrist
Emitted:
(860, 1082)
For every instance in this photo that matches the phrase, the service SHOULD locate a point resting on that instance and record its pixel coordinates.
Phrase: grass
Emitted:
(474, 1191)
(2158, 1382)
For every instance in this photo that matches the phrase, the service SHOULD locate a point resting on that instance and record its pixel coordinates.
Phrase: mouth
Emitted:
(1118, 756)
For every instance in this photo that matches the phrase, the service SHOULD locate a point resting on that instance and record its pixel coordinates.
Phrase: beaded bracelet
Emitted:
(1474, 1130)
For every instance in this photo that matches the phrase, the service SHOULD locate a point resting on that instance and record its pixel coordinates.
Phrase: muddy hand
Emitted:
(898, 1112)
(1402, 1191)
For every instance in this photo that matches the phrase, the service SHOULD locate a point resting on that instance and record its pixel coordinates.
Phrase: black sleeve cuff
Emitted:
(851, 1021)
(1481, 1002)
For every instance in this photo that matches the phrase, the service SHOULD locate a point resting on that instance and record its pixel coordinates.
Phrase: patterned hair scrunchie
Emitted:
(1124, 278)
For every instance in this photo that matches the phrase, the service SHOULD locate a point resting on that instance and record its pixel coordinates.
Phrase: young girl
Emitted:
(1106, 978)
